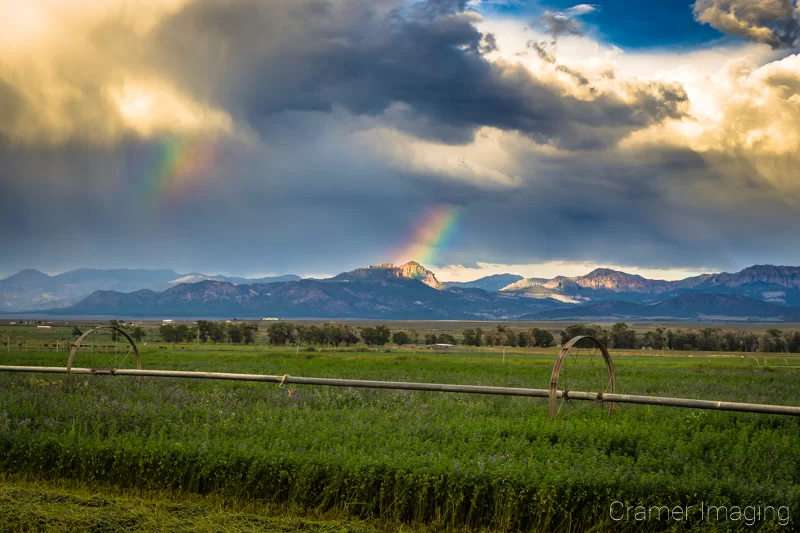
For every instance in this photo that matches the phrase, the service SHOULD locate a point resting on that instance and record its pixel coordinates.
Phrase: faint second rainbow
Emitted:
(167, 171)
(431, 235)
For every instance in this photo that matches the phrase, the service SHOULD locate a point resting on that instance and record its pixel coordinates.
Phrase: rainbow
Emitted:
(168, 170)
(431, 235)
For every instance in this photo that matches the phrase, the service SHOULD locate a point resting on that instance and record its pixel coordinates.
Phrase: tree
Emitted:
(654, 339)
(76, 332)
(446, 338)
(542, 338)
(204, 330)
(793, 342)
(431, 338)
(168, 333)
(182, 333)
(235, 333)
(369, 336)
(576, 330)
(414, 335)
(249, 332)
(400, 338)
(280, 333)
(211, 331)
(510, 339)
(349, 335)
(471, 338)
(116, 324)
(383, 334)
(524, 339)
(332, 334)
(138, 333)
(772, 341)
(491, 338)
(378, 335)
(622, 336)
(307, 335)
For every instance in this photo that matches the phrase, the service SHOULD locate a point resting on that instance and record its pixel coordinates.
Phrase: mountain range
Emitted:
(410, 291)
(31, 290)
(776, 284)
(382, 292)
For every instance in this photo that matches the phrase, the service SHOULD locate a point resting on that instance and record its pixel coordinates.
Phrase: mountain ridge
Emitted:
(386, 290)
(778, 284)
(31, 290)
(695, 307)
(386, 298)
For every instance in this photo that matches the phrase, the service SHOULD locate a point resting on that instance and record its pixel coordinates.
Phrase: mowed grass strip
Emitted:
(71, 507)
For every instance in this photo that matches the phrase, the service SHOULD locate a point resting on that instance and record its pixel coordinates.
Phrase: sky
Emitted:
(474, 136)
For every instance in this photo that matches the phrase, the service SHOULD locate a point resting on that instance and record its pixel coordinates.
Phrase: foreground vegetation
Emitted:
(446, 461)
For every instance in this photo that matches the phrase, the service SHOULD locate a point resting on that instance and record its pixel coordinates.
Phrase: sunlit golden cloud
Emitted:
(79, 70)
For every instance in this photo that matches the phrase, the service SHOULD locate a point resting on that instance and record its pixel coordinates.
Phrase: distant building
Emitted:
(44, 327)
(166, 321)
(440, 347)
(270, 318)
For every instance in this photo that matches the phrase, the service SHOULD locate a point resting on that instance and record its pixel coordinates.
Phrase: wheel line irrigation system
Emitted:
(607, 397)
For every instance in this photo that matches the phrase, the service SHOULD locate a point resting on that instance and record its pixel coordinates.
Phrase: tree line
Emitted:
(335, 334)
(620, 335)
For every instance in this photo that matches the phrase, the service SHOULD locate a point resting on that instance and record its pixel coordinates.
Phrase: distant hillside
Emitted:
(693, 307)
(30, 289)
(487, 283)
(358, 295)
(777, 284)
(196, 277)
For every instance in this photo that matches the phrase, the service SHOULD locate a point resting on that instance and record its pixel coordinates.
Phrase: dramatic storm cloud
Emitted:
(774, 22)
(312, 136)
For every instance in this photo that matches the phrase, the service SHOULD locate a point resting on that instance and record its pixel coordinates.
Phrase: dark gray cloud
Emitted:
(773, 22)
(312, 201)
(540, 47)
(259, 59)
(562, 23)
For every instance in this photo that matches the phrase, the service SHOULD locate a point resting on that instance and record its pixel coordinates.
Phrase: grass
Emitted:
(74, 507)
(433, 460)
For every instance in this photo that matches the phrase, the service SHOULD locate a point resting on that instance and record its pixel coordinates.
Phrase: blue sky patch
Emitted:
(629, 24)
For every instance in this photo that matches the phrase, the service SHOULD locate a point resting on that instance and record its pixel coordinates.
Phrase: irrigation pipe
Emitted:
(435, 387)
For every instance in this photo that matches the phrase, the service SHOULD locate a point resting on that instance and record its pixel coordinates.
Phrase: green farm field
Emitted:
(106, 454)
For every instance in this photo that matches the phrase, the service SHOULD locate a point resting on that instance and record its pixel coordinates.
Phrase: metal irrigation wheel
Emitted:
(583, 365)
(104, 357)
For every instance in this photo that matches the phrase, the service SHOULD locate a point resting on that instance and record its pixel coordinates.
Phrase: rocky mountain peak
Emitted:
(561, 283)
(29, 273)
(26, 278)
(604, 272)
(414, 270)
(388, 271)
(613, 280)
